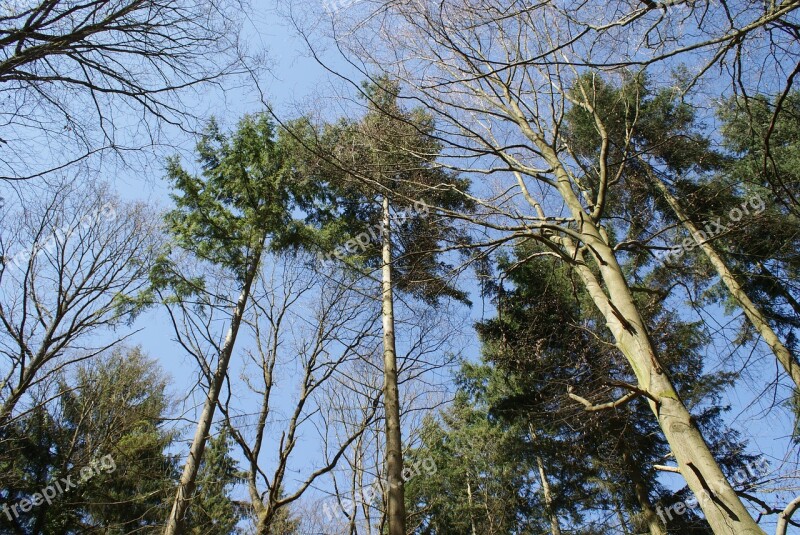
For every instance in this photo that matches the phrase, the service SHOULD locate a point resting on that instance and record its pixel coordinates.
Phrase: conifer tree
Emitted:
(240, 204)
(382, 185)
(214, 511)
(106, 435)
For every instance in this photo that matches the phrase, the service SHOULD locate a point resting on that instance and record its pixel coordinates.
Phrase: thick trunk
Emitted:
(750, 309)
(265, 521)
(188, 479)
(394, 448)
(721, 505)
(259, 509)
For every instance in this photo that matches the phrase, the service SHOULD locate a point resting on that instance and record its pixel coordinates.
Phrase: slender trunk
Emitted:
(473, 531)
(391, 397)
(756, 317)
(188, 479)
(643, 496)
(623, 524)
(555, 529)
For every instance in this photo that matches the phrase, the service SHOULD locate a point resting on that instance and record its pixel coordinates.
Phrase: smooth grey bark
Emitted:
(396, 516)
(785, 516)
(724, 510)
(721, 505)
(555, 528)
(188, 481)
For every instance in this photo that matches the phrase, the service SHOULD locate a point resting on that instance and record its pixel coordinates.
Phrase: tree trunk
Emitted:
(724, 511)
(555, 529)
(721, 505)
(623, 524)
(265, 521)
(391, 397)
(643, 496)
(259, 509)
(188, 479)
(750, 309)
(473, 531)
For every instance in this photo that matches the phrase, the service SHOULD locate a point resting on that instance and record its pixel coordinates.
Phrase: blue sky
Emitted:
(292, 84)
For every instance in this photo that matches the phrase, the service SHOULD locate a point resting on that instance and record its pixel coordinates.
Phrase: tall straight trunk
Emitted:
(188, 481)
(555, 528)
(391, 397)
(750, 309)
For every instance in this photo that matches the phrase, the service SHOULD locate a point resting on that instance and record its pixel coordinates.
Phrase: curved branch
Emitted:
(784, 517)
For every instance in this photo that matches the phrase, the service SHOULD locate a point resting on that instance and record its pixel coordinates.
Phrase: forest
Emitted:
(413, 267)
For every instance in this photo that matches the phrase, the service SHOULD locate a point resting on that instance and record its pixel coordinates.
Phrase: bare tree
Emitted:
(83, 78)
(427, 341)
(194, 321)
(73, 263)
(313, 338)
